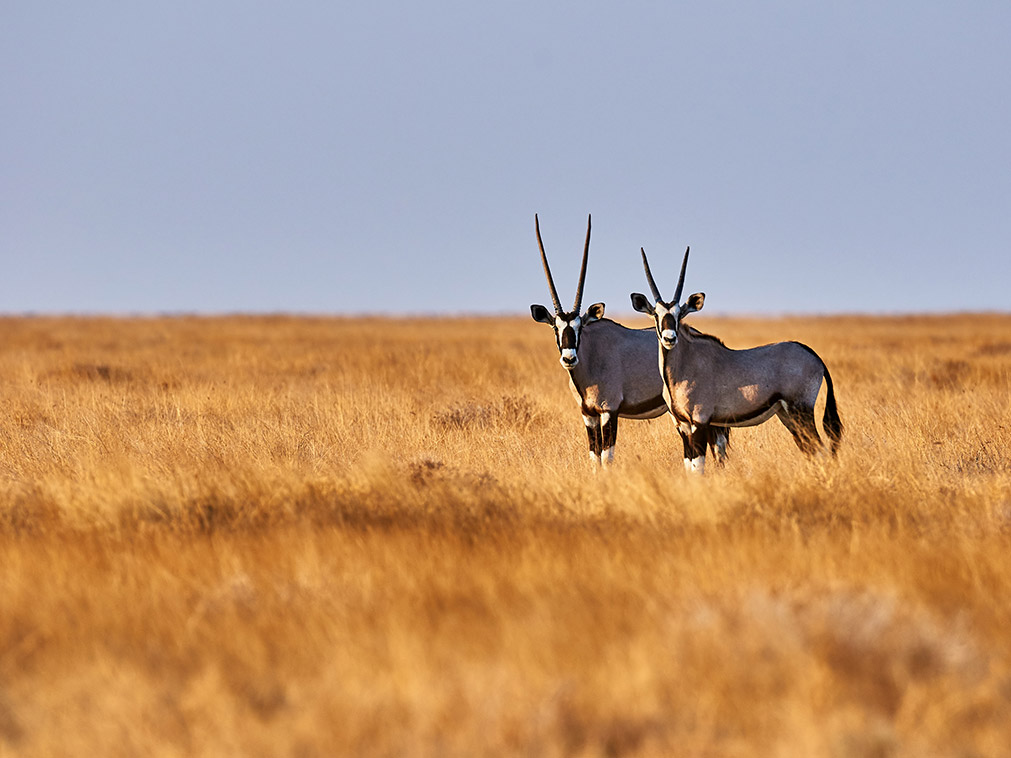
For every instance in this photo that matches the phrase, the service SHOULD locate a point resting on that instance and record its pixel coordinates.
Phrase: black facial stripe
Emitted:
(668, 322)
(568, 339)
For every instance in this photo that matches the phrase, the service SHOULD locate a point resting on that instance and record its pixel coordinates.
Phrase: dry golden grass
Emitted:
(295, 536)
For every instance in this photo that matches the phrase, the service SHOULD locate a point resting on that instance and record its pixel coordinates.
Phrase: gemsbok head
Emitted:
(707, 384)
(568, 325)
(612, 370)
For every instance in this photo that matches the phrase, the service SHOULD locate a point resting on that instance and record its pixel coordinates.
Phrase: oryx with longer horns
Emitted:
(707, 384)
(612, 369)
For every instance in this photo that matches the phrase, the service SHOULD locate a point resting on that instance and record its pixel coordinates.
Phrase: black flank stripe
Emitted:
(750, 416)
(644, 407)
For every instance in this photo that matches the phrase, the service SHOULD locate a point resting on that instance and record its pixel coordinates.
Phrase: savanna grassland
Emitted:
(314, 537)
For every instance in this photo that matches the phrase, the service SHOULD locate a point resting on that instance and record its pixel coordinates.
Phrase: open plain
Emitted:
(325, 536)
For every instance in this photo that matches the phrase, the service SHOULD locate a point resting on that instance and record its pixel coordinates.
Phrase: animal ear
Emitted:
(594, 313)
(540, 313)
(641, 304)
(694, 303)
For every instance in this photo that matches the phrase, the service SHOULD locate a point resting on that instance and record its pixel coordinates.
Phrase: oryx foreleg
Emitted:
(594, 435)
(695, 448)
(695, 438)
(609, 435)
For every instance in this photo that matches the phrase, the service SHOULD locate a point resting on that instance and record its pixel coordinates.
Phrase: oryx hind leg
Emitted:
(800, 421)
(719, 438)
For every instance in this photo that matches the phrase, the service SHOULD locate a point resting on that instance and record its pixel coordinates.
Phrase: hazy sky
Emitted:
(390, 156)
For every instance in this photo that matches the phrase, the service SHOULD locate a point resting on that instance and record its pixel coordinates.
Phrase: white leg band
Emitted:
(696, 465)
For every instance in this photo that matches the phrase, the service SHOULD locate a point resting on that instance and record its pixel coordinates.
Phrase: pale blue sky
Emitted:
(390, 156)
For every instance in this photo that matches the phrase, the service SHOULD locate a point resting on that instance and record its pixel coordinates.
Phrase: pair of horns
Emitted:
(582, 271)
(547, 271)
(652, 284)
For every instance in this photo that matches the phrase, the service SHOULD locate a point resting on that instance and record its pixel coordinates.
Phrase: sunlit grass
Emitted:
(271, 535)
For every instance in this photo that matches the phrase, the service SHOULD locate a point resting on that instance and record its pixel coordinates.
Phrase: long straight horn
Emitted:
(649, 277)
(582, 270)
(547, 271)
(681, 279)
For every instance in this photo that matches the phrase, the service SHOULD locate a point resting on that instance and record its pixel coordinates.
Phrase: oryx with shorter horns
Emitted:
(612, 369)
(707, 384)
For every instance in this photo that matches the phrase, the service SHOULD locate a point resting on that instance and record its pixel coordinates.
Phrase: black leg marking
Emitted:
(695, 444)
(593, 434)
(698, 440)
(609, 431)
(687, 445)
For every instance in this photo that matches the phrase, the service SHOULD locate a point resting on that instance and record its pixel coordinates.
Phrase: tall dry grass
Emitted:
(296, 536)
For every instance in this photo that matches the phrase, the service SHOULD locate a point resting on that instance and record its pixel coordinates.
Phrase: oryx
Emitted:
(612, 369)
(707, 384)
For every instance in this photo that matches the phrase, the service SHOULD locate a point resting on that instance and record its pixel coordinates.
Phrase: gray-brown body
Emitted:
(617, 372)
(707, 384)
(740, 387)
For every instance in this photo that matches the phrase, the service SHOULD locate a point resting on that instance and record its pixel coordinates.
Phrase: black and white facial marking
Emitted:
(667, 316)
(567, 333)
(666, 323)
(568, 325)
(568, 330)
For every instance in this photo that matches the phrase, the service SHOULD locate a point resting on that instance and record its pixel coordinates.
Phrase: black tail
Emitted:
(831, 421)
